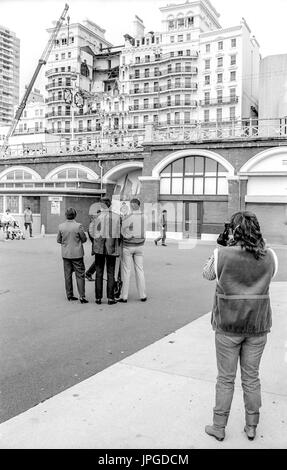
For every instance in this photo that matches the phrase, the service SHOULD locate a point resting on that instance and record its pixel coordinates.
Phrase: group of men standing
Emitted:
(117, 243)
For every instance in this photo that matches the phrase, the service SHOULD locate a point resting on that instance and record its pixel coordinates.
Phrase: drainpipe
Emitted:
(101, 167)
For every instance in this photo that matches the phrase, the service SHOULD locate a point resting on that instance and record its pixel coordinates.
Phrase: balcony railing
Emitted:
(180, 85)
(192, 54)
(248, 129)
(160, 73)
(58, 71)
(219, 101)
(165, 104)
(96, 145)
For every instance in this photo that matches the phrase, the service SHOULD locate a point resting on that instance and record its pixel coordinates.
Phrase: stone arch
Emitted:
(117, 171)
(35, 175)
(268, 161)
(72, 166)
(186, 153)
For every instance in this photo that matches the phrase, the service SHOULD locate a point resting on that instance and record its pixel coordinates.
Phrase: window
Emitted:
(64, 41)
(178, 67)
(89, 125)
(156, 72)
(147, 58)
(207, 98)
(207, 48)
(232, 113)
(194, 175)
(188, 67)
(187, 82)
(207, 64)
(155, 103)
(219, 114)
(233, 42)
(188, 37)
(171, 39)
(63, 56)
(171, 24)
(177, 83)
(155, 119)
(137, 73)
(69, 55)
(145, 118)
(220, 62)
(136, 88)
(169, 68)
(137, 60)
(206, 115)
(155, 86)
(187, 51)
(232, 76)
(177, 100)
(219, 78)
(171, 54)
(187, 100)
(136, 104)
(136, 122)
(146, 103)
(219, 96)
(207, 80)
(168, 119)
(57, 57)
(180, 23)
(168, 100)
(169, 84)
(233, 60)
(233, 95)
(180, 53)
(186, 117)
(146, 87)
(220, 45)
(177, 118)
(180, 38)
(67, 126)
(157, 56)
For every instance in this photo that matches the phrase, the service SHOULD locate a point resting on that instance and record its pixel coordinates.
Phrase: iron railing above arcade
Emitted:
(162, 132)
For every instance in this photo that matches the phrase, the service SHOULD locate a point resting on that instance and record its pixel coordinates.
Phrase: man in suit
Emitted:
(105, 230)
(71, 236)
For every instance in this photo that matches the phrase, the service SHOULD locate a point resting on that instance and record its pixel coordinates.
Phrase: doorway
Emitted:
(192, 219)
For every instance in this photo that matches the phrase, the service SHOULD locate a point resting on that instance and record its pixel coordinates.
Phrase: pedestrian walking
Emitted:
(241, 317)
(105, 230)
(71, 236)
(163, 229)
(133, 236)
(28, 220)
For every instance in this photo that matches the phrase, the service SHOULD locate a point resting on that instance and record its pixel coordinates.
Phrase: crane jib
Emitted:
(42, 61)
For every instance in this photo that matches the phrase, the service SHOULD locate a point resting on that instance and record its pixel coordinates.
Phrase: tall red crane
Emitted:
(42, 61)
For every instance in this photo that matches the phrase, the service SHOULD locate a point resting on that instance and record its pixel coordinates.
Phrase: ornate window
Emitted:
(194, 175)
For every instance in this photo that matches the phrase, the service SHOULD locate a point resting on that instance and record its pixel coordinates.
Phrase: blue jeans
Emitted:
(249, 351)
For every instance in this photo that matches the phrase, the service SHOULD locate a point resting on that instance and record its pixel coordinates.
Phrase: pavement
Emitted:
(160, 398)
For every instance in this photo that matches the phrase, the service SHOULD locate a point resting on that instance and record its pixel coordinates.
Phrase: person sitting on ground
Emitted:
(241, 317)
(71, 236)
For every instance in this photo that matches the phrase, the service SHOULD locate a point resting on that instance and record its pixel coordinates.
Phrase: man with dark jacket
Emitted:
(163, 229)
(105, 230)
(71, 236)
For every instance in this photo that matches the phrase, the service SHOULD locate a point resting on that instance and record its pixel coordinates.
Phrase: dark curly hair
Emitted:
(247, 233)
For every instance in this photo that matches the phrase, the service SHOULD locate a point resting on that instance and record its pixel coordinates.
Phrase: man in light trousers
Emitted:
(133, 237)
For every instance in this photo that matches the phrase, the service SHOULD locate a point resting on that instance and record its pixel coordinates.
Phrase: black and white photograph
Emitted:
(143, 227)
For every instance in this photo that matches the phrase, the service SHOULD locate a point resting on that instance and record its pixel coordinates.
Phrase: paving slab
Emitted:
(159, 398)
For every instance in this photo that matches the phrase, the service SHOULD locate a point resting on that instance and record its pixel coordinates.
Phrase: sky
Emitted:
(29, 19)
